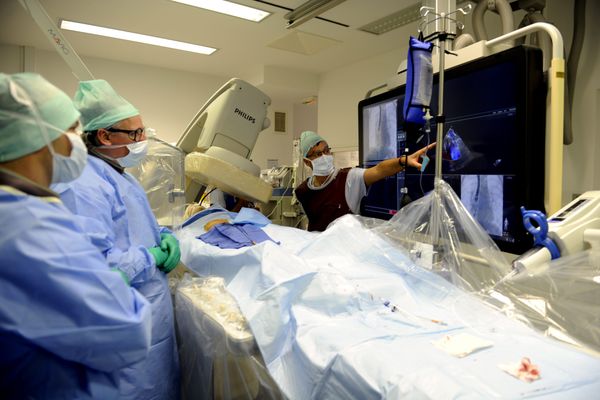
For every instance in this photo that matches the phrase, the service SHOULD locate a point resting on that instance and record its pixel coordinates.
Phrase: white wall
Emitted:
(340, 91)
(10, 59)
(275, 145)
(305, 118)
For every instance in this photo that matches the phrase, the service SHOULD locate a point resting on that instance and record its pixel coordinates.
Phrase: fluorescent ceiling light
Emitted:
(135, 37)
(229, 8)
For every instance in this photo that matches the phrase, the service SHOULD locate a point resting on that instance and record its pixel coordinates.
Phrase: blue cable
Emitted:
(540, 234)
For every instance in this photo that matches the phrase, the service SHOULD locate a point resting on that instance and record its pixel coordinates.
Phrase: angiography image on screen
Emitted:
(381, 122)
(483, 196)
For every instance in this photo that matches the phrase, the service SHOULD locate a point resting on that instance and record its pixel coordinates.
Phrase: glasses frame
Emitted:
(133, 134)
(317, 154)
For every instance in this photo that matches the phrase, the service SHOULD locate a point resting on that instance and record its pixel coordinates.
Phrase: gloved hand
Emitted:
(169, 244)
(159, 256)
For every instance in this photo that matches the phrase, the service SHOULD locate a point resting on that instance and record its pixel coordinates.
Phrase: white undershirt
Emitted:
(355, 188)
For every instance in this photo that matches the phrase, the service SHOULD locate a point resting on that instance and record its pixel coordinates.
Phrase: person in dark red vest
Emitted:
(330, 193)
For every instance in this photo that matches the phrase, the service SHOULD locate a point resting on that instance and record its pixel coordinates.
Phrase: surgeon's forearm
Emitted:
(384, 169)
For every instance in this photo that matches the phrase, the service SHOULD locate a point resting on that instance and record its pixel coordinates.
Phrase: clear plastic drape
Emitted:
(440, 235)
(560, 299)
(218, 354)
(161, 174)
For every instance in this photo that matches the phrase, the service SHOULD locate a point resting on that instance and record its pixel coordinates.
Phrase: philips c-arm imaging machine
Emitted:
(219, 141)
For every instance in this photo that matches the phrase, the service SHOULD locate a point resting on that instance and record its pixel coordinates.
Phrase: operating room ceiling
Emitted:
(245, 47)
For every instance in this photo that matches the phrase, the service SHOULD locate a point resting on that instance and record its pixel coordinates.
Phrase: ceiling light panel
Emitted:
(393, 21)
(135, 37)
(229, 8)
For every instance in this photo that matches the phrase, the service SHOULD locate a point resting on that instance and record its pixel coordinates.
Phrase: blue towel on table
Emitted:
(234, 236)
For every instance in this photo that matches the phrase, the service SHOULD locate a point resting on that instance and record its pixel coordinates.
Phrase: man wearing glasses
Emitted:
(113, 210)
(330, 193)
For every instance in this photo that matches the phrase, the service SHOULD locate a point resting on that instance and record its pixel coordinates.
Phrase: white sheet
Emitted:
(315, 304)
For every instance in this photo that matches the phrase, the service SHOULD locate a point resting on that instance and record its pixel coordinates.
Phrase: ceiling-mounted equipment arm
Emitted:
(60, 43)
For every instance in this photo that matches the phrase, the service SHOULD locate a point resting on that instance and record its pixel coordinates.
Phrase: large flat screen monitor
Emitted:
(496, 109)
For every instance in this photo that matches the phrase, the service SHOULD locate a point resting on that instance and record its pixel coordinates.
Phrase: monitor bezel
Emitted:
(531, 145)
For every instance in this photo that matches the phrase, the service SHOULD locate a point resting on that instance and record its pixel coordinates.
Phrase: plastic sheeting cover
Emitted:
(560, 299)
(161, 174)
(219, 357)
(440, 235)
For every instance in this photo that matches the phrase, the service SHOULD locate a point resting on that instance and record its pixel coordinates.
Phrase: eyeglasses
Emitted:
(319, 153)
(134, 134)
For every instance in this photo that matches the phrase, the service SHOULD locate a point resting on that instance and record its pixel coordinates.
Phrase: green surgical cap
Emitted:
(308, 140)
(20, 130)
(101, 106)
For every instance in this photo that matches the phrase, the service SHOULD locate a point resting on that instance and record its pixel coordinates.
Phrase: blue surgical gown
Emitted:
(113, 210)
(68, 323)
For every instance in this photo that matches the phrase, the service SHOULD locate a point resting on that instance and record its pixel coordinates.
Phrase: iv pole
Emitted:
(442, 35)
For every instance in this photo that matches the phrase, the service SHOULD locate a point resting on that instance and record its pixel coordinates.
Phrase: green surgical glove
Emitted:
(159, 256)
(169, 244)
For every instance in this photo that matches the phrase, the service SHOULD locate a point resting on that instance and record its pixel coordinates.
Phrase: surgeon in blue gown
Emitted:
(114, 210)
(68, 323)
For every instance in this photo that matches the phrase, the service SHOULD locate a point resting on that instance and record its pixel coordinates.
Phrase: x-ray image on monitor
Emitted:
(482, 196)
(380, 124)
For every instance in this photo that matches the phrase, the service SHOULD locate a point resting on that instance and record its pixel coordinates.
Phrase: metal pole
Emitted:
(440, 123)
(436, 206)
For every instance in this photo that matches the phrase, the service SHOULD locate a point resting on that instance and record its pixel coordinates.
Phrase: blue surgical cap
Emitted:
(309, 139)
(100, 105)
(20, 130)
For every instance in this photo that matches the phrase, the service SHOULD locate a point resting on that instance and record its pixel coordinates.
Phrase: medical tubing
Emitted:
(463, 40)
(503, 9)
(477, 20)
(206, 194)
(506, 16)
(421, 171)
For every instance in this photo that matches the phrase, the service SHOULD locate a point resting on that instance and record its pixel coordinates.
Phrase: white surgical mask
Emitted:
(137, 152)
(67, 169)
(323, 166)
